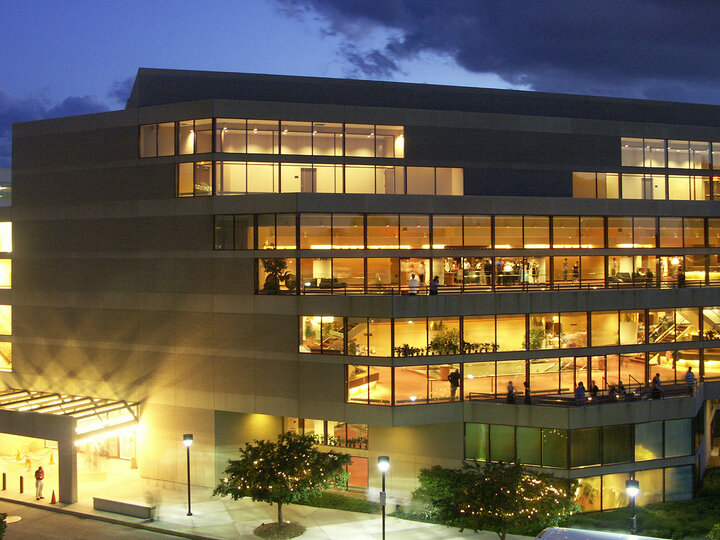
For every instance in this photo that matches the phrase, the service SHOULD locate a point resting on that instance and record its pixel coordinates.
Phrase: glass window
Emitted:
(444, 336)
(185, 182)
(322, 178)
(447, 232)
(383, 275)
(584, 185)
(230, 135)
(186, 137)
(509, 371)
(678, 437)
(410, 337)
(6, 320)
(360, 140)
(714, 269)
(620, 232)
(266, 231)
(566, 232)
(644, 232)
(592, 232)
(694, 232)
(5, 273)
(632, 186)
(440, 389)
(389, 142)
(148, 140)
(536, 232)
(449, 181)
(414, 231)
(617, 444)
(262, 177)
(316, 274)
(592, 270)
(479, 333)
(347, 231)
(654, 152)
(716, 155)
(380, 339)
(567, 269)
(632, 152)
(277, 275)
(588, 494)
(573, 328)
(651, 486)
(382, 231)
(511, 332)
(411, 384)
(613, 491)
(508, 232)
(554, 448)
(699, 155)
(315, 231)
(479, 380)
(231, 177)
(286, 231)
(604, 328)
(224, 232)
(632, 327)
(389, 180)
(544, 376)
(608, 185)
(544, 331)
(477, 231)
(502, 443)
(678, 483)
(327, 139)
(357, 332)
(348, 275)
(685, 188)
(678, 154)
(671, 232)
(296, 138)
(262, 137)
(476, 441)
(359, 179)
(420, 181)
(711, 361)
(297, 177)
(585, 447)
(529, 446)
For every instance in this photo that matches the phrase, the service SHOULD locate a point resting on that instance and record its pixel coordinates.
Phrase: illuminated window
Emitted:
(6, 237)
(5, 273)
(5, 320)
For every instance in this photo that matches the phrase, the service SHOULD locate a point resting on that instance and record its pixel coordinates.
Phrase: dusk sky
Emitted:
(80, 56)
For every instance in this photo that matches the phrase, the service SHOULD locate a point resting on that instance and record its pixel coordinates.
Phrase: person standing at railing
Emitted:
(454, 380)
(690, 380)
(413, 285)
(621, 390)
(510, 393)
(656, 387)
(580, 393)
(434, 285)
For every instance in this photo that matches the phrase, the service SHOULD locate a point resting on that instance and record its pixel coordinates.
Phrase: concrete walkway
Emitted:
(222, 518)
(214, 517)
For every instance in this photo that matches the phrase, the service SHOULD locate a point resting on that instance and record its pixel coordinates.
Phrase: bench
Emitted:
(126, 509)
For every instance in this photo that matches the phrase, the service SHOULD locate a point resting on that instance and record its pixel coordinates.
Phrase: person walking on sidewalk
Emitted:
(39, 481)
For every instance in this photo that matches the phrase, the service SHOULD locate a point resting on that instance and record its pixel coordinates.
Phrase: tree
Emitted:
(283, 472)
(497, 497)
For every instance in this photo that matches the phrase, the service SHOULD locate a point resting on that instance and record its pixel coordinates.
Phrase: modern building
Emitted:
(237, 255)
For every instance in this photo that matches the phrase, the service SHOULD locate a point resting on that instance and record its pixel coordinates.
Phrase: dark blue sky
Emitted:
(80, 56)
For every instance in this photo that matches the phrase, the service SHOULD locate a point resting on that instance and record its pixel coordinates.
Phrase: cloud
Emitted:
(14, 109)
(656, 49)
(120, 90)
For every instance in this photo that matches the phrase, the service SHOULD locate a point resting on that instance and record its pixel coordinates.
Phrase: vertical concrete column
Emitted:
(67, 467)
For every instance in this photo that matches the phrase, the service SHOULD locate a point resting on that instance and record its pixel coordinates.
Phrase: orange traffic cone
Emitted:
(52, 461)
(53, 500)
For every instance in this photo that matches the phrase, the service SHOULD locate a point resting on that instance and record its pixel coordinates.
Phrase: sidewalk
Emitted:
(221, 518)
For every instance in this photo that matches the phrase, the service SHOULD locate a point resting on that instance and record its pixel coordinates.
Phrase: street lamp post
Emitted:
(383, 465)
(187, 441)
(632, 488)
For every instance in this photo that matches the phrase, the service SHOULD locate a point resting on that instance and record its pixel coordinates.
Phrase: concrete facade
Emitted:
(118, 293)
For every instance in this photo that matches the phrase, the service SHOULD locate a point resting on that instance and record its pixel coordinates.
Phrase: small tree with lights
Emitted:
(290, 470)
(499, 497)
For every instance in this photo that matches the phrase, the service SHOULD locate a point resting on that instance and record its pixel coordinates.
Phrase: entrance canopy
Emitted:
(95, 417)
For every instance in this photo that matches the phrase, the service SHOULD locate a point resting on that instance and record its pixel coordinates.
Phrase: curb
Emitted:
(115, 521)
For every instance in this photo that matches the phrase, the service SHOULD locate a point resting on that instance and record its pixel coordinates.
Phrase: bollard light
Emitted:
(187, 441)
(383, 465)
(632, 488)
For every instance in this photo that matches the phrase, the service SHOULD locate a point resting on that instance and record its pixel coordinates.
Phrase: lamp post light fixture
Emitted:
(632, 488)
(383, 465)
(187, 441)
